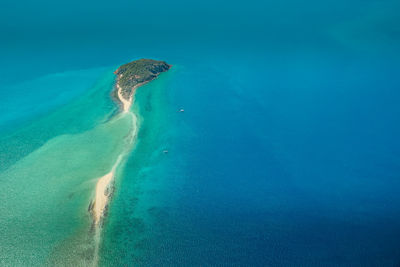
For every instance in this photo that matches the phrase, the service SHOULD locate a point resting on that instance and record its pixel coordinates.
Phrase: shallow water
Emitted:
(287, 153)
(46, 192)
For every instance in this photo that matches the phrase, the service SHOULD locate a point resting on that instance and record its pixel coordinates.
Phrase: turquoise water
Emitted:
(49, 182)
(287, 153)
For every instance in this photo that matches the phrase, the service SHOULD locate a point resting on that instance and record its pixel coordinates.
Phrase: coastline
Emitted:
(103, 192)
(127, 103)
(104, 185)
(103, 188)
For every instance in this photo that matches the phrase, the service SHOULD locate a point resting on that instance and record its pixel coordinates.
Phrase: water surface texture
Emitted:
(287, 152)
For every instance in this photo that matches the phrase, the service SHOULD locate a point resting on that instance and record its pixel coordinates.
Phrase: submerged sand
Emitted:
(103, 186)
(102, 195)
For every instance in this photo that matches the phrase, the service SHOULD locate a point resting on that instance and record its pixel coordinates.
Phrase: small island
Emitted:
(129, 77)
(134, 74)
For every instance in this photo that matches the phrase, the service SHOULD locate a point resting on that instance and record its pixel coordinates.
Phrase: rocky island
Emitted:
(134, 74)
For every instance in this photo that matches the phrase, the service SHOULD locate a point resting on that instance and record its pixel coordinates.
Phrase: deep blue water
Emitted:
(288, 151)
(285, 172)
(297, 172)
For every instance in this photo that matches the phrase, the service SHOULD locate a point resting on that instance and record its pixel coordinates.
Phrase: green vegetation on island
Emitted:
(138, 72)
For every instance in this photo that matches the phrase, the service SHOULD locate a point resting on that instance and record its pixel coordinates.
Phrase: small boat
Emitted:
(181, 110)
(165, 151)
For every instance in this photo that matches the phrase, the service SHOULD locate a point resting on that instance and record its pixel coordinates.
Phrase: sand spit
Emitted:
(102, 194)
(103, 191)
(104, 184)
(127, 103)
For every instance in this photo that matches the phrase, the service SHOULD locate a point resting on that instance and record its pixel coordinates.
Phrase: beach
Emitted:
(103, 190)
(104, 184)
(126, 103)
(287, 152)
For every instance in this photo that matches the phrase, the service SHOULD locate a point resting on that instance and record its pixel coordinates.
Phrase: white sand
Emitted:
(126, 104)
(104, 182)
(102, 195)
(101, 198)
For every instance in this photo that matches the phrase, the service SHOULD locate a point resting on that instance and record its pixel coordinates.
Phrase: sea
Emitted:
(272, 141)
